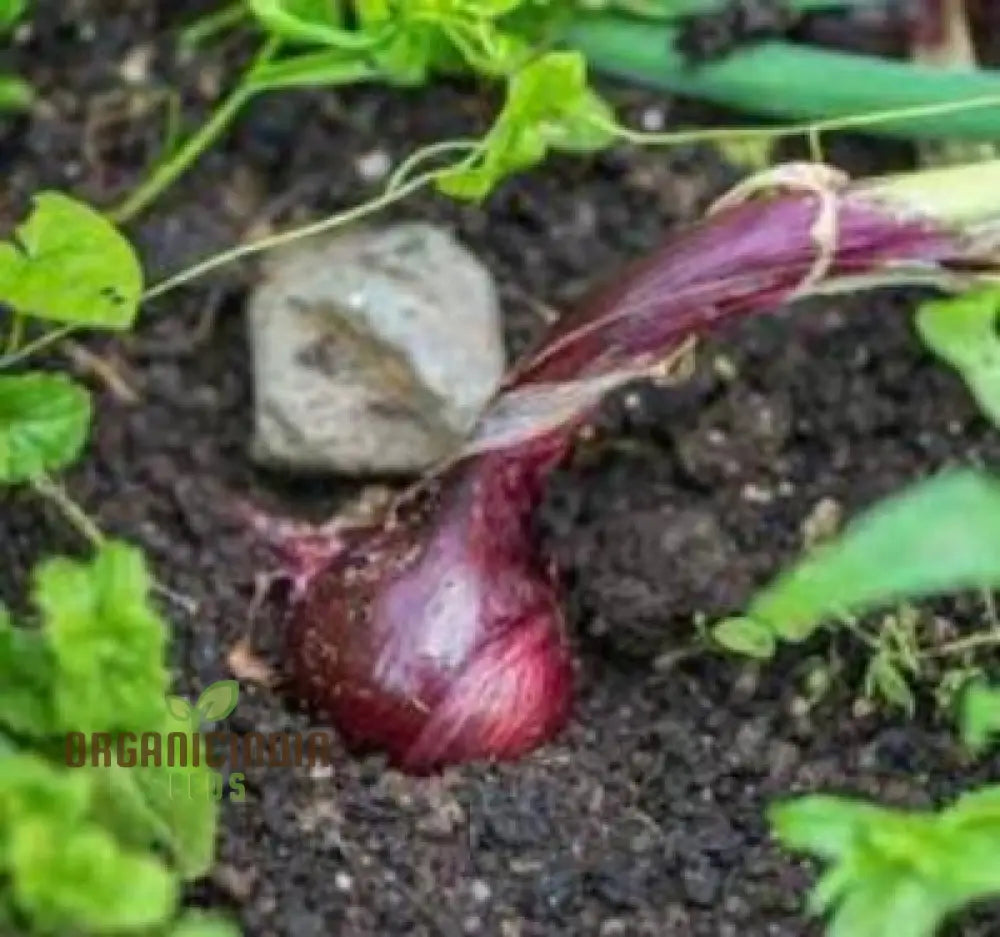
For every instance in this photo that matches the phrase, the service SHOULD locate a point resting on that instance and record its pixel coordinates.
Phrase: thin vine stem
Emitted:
(168, 172)
(386, 198)
(78, 518)
(36, 345)
(811, 131)
(212, 24)
(963, 645)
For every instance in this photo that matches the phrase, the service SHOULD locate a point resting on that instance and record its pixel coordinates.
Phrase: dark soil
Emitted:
(646, 816)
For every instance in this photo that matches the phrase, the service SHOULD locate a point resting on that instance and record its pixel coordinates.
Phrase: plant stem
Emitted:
(211, 24)
(167, 173)
(76, 515)
(36, 345)
(963, 645)
(386, 198)
(84, 525)
(16, 334)
(813, 129)
(783, 79)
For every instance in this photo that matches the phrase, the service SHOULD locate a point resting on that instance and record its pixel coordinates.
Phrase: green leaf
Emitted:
(68, 263)
(745, 636)
(938, 536)
(180, 797)
(10, 12)
(883, 679)
(202, 924)
(167, 807)
(15, 93)
(77, 878)
(829, 827)
(327, 68)
(31, 786)
(107, 641)
(549, 107)
(963, 332)
(44, 423)
(895, 871)
(218, 700)
(980, 715)
(312, 22)
(26, 673)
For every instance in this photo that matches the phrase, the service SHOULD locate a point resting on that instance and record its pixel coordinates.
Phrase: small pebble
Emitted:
(373, 166)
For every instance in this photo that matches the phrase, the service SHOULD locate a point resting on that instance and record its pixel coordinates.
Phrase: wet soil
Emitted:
(646, 816)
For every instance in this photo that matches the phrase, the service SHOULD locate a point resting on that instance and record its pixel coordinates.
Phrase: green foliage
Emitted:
(26, 678)
(44, 423)
(15, 93)
(107, 642)
(893, 871)
(10, 12)
(963, 332)
(409, 40)
(100, 848)
(979, 715)
(67, 263)
(200, 924)
(938, 536)
(549, 107)
(746, 637)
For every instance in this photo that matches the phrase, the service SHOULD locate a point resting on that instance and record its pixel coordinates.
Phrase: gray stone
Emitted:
(373, 351)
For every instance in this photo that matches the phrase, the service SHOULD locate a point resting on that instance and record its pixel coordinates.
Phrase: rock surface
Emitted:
(374, 351)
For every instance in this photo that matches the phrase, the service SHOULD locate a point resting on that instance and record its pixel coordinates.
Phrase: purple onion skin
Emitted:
(437, 636)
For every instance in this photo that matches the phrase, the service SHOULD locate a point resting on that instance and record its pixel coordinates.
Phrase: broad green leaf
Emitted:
(895, 871)
(79, 879)
(107, 641)
(180, 797)
(68, 263)
(980, 715)
(170, 807)
(33, 787)
(745, 636)
(963, 332)
(828, 827)
(218, 700)
(44, 423)
(26, 673)
(549, 107)
(938, 536)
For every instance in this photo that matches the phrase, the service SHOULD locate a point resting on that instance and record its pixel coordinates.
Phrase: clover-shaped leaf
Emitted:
(68, 263)
(218, 700)
(549, 106)
(44, 422)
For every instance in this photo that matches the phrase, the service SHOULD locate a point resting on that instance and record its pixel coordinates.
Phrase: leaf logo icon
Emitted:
(217, 701)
